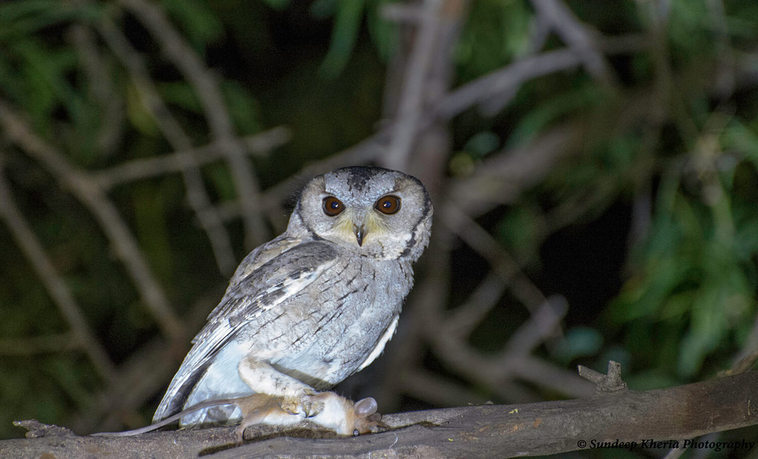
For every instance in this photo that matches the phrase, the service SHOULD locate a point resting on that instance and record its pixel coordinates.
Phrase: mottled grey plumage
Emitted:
(317, 303)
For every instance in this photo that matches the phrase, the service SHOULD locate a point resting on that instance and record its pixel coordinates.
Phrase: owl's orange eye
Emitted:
(333, 206)
(388, 204)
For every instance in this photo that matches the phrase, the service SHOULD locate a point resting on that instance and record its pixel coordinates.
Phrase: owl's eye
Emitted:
(388, 204)
(333, 206)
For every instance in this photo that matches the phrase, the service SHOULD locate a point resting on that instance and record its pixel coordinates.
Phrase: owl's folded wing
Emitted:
(271, 284)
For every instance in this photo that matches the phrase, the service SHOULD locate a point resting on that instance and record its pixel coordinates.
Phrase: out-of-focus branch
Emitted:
(462, 320)
(437, 390)
(499, 259)
(142, 168)
(196, 194)
(513, 75)
(505, 79)
(55, 286)
(544, 322)
(101, 85)
(94, 198)
(47, 344)
(361, 153)
(140, 377)
(413, 93)
(452, 104)
(582, 40)
(514, 360)
(175, 48)
(501, 177)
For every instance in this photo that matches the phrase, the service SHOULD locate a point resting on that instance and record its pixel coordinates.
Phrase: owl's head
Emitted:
(373, 211)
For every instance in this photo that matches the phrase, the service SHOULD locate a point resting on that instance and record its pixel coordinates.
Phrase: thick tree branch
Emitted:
(476, 431)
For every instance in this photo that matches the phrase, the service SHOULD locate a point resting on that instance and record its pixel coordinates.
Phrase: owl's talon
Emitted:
(310, 405)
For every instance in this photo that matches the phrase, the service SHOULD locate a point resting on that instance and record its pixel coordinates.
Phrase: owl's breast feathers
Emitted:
(304, 309)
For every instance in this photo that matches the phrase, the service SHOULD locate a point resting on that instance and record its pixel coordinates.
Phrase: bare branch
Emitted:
(55, 286)
(502, 177)
(485, 245)
(544, 322)
(578, 36)
(94, 198)
(48, 344)
(462, 320)
(437, 390)
(208, 92)
(102, 88)
(142, 168)
(666, 415)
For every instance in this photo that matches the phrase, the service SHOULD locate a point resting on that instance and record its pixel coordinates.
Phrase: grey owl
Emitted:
(312, 306)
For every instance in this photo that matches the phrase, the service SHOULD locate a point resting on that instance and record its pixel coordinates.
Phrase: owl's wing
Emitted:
(271, 284)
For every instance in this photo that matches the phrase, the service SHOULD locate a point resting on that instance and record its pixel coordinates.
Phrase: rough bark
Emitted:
(676, 413)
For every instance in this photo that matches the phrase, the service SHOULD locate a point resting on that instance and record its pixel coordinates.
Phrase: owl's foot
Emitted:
(266, 409)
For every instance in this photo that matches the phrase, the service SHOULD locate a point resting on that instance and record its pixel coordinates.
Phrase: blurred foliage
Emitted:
(673, 296)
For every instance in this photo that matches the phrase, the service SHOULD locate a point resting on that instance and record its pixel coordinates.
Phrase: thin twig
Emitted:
(578, 36)
(54, 284)
(48, 344)
(93, 197)
(437, 390)
(462, 320)
(485, 245)
(175, 48)
(505, 79)
(544, 322)
(363, 152)
(111, 127)
(481, 90)
(142, 168)
(196, 194)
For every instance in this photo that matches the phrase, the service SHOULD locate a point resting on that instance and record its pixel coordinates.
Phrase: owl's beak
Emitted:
(360, 233)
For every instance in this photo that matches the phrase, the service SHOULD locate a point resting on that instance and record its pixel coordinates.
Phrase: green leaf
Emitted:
(579, 342)
(197, 20)
(346, 24)
(22, 18)
(277, 4)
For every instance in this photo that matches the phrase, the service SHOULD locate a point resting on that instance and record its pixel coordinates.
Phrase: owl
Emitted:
(312, 306)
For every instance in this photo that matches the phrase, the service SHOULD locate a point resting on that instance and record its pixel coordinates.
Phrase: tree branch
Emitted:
(668, 415)
(142, 168)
